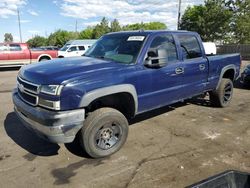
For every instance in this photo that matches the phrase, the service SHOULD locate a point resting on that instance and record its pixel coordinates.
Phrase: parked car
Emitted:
(122, 75)
(17, 54)
(245, 76)
(75, 48)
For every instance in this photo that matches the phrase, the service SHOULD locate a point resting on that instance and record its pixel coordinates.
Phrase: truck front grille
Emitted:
(28, 91)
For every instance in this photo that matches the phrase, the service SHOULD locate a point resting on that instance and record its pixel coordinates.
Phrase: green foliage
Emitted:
(37, 41)
(226, 21)
(145, 26)
(86, 34)
(211, 21)
(60, 37)
(240, 23)
(115, 26)
(8, 37)
(101, 29)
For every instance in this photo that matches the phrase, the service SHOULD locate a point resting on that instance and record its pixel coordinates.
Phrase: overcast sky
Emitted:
(41, 17)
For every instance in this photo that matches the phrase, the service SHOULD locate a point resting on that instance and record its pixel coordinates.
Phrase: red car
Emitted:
(17, 54)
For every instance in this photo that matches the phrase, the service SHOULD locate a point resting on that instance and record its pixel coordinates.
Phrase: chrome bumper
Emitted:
(56, 127)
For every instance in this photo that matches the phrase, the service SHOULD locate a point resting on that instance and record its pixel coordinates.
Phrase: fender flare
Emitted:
(44, 55)
(102, 92)
(224, 69)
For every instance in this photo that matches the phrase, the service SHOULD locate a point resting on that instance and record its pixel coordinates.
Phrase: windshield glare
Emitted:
(65, 47)
(122, 48)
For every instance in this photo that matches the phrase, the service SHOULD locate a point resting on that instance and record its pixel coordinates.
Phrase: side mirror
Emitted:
(156, 58)
(69, 50)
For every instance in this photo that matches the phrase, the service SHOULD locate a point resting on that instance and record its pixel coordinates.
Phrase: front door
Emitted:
(162, 85)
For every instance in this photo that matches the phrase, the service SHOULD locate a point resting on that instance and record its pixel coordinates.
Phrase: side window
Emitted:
(190, 46)
(72, 49)
(3, 47)
(81, 48)
(165, 43)
(15, 47)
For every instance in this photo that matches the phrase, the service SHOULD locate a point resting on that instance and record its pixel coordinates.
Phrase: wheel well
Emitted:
(60, 56)
(122, 102)
(229, 74)
(44, 57)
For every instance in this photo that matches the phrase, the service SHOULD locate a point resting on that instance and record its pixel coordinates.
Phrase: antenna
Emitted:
(19, 24)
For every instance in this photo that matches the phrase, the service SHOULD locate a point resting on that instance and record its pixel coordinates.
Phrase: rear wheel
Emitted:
(104, 132)
(223, 95)
(44, 59)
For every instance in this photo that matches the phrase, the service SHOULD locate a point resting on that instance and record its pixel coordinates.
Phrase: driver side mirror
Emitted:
(157, 58)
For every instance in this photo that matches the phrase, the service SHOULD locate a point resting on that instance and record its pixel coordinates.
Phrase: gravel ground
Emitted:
(174, 146)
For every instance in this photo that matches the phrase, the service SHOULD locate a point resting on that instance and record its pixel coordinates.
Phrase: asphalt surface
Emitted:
(174, 146)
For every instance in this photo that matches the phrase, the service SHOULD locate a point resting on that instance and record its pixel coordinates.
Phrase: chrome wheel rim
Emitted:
(108, 136)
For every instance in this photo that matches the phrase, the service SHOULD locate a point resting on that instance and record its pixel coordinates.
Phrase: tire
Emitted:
(104, 132)
(44, 59)
(223, 95)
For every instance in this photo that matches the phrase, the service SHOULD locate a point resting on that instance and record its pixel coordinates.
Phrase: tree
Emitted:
(211, 20)
(37, 41)
(87, 33)
(60, 37)
(8, 37)
(146, 26)
(115, 26)
(240, 23)
(101, 29)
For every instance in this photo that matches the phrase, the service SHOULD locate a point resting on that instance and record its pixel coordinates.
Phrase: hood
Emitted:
(62, 71)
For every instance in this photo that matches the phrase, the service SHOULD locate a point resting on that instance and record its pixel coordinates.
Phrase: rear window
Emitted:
(190, 46)
(15, 47)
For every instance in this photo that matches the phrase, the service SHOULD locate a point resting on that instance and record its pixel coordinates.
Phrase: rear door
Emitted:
(81, 50)
(195, 65)
(17, 55)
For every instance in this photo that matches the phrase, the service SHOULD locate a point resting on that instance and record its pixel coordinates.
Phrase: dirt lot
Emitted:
(170, 147)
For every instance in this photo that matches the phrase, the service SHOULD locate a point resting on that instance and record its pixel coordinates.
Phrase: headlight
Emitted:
(51, 89)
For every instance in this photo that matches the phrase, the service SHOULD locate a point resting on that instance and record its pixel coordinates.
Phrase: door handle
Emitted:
(179, 70)
(202, 66)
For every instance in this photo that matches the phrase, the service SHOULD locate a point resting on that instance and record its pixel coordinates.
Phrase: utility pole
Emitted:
(179, 16)
(19, 24)
(76, 27)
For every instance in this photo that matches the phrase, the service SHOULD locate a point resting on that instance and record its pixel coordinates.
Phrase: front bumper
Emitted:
(56, 127)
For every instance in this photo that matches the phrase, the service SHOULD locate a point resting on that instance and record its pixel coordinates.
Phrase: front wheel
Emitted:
(222, 96)
(104, 132)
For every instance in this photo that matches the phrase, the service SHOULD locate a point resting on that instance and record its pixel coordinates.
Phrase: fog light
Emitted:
(54, 105)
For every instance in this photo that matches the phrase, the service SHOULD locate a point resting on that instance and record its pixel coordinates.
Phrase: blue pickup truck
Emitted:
(123, 74)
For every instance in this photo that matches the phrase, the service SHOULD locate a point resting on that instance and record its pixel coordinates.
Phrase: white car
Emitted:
(75, 48)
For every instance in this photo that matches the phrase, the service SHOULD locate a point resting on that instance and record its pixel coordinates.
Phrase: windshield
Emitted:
(122, 48)
(65, 47)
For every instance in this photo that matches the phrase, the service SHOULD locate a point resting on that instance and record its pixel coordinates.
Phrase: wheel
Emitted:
(104, 132)
(44, 59)
(223, 95)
